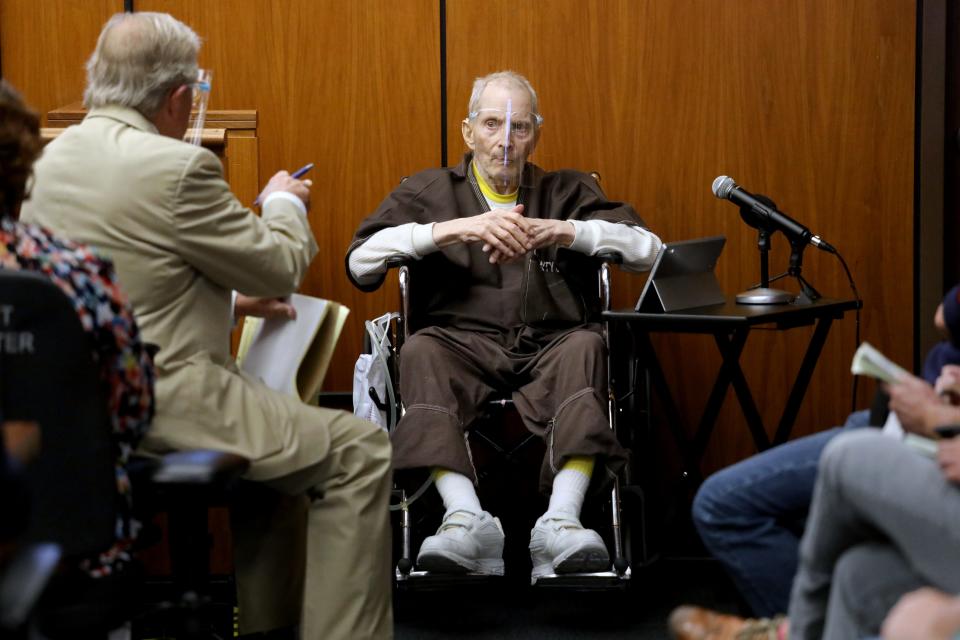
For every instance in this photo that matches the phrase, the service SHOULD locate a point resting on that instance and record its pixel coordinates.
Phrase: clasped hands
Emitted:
(506, 234)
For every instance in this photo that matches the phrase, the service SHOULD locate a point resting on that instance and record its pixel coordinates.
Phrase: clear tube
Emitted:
(506, 136)
(201, 95)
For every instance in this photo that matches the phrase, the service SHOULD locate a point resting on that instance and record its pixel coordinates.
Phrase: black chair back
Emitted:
(47, 375)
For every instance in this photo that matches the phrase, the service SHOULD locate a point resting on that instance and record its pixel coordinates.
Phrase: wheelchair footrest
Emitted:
(600, 580)
(432, 580)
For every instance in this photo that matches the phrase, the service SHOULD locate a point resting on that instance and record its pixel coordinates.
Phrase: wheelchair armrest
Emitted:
(613, 257)
(397, 261)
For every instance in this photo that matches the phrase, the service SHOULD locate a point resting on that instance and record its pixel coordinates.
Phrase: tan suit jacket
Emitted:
(180, 241)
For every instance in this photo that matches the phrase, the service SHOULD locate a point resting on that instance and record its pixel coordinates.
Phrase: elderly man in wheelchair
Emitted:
(503, 254)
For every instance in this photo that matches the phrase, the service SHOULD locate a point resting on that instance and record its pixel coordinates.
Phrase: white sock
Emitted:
(569, 488)
(457, 491)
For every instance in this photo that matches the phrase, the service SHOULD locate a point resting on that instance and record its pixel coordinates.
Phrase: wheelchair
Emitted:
(618, 537)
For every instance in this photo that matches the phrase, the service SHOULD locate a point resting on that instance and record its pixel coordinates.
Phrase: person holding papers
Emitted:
(751, 515)
(883, 522)
(124, 182)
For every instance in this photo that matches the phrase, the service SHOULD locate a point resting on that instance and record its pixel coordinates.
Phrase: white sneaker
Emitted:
(560, 544)
(465, 542)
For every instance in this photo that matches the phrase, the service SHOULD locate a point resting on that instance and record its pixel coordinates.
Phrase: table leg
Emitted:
(731, 346)
(803, 380)
(731, 354)
(648, 358)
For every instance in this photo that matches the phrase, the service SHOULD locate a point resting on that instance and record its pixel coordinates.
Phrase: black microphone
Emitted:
(726, 189)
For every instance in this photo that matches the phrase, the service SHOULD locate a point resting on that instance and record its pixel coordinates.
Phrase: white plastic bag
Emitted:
(371, 371)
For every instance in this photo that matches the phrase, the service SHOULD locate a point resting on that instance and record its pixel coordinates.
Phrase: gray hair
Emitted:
(506, 77)
(138, 59)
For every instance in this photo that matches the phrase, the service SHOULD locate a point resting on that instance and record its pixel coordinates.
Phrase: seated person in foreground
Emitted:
(125, 182)
(750, 515)
(882, 522)
(88, 280)
(502, 273)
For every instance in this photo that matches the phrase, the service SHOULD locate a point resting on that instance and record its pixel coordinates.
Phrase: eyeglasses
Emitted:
(201, 95)
(492, 121)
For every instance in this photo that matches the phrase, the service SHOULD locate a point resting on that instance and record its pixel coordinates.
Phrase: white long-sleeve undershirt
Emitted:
(637, 245)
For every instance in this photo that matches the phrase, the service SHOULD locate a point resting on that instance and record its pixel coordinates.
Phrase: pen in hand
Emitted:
(299, 173)
(302, 170)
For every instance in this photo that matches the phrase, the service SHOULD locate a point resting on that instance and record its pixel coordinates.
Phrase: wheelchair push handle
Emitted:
(381, 405)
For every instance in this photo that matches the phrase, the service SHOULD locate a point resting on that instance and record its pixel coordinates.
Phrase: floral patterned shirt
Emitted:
(126, 368)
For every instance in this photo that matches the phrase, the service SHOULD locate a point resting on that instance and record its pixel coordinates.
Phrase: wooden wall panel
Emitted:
(44, 45)
(351, 86)
(808, 101)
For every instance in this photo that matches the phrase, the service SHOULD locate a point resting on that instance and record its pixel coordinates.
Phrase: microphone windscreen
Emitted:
(722, 186)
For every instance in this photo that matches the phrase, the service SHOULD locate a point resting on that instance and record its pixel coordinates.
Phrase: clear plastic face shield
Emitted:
(201, 95)
(504, 139)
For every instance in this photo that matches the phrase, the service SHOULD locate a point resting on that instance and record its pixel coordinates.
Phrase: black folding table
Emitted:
(730, 324)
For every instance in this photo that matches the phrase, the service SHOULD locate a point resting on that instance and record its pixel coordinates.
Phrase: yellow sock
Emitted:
(583, 464)
(456, 490)
(570, 486)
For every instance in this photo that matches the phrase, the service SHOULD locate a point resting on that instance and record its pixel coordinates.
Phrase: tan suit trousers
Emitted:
(330, 518)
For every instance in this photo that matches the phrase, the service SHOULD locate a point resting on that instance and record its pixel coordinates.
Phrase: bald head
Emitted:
(139, 58)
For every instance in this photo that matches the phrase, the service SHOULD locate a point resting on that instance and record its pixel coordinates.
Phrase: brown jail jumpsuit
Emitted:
(527, 327)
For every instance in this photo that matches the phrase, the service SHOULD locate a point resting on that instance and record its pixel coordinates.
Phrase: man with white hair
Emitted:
(503, 279)
(124, 182)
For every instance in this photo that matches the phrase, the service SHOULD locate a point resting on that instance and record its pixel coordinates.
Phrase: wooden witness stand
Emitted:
(232, 135)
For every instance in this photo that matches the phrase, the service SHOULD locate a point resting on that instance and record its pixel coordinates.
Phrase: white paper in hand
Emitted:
(279, 344)
(868, 361)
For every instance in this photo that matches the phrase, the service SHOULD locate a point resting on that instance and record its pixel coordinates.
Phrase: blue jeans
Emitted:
(750, 516)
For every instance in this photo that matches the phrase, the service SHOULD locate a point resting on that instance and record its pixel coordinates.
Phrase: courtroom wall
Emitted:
(808, 101)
